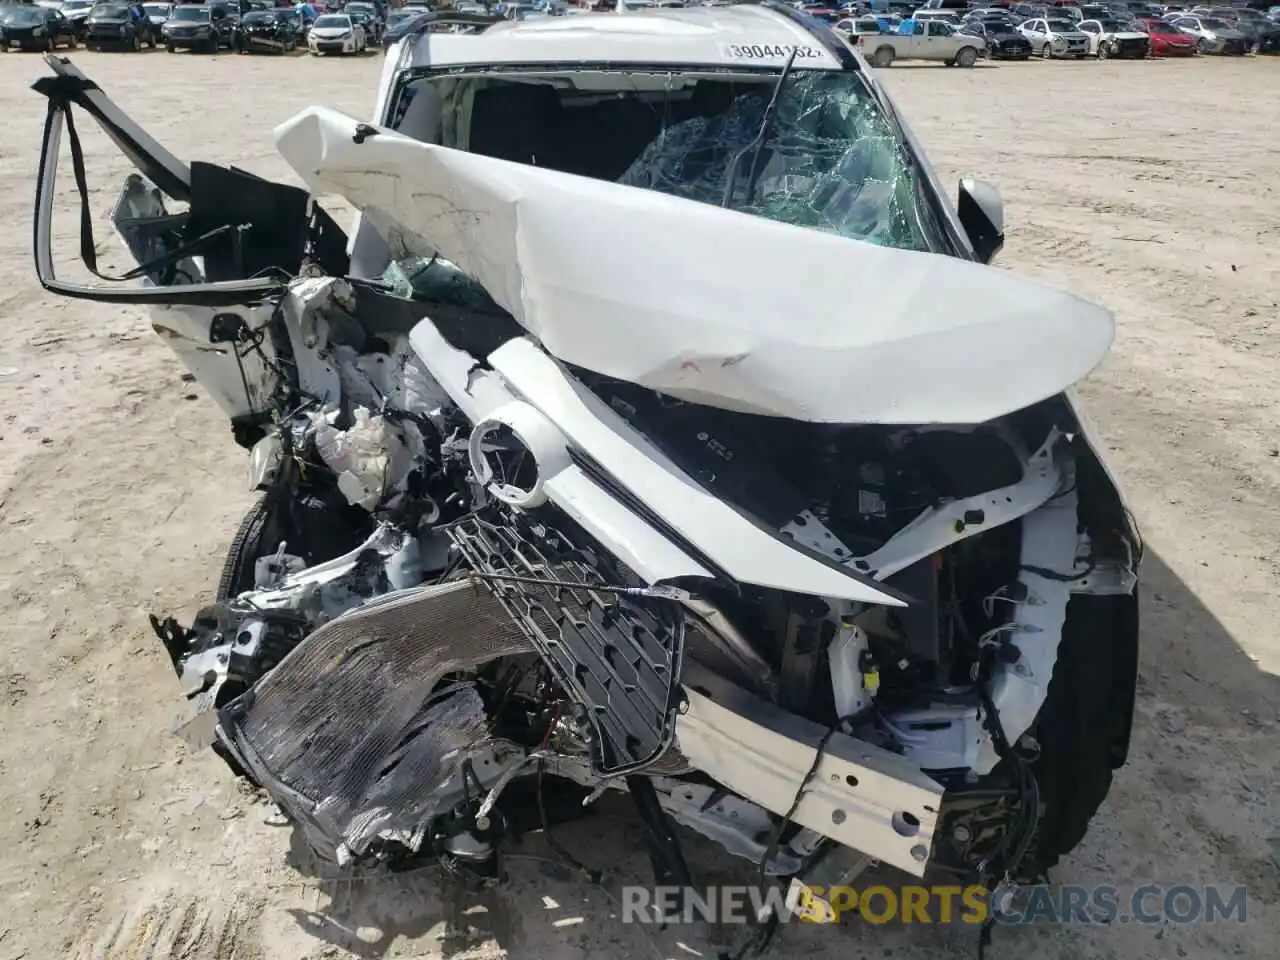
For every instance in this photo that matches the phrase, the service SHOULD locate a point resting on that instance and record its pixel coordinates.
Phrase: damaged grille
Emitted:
(619, 657)
(349, 734)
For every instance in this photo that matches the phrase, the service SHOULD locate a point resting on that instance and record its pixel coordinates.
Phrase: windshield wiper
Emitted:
(758, 143)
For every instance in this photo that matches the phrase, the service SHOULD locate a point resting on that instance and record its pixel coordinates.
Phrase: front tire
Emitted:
(1103, 52)
(169, 48)
(883, 57)
(256, 536)
(1047, 51)
(967, 57)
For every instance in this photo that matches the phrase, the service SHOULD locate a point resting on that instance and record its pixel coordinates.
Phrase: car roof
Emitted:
(748, 36)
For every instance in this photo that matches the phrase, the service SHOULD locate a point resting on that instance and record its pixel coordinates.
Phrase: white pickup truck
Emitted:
(922, 40)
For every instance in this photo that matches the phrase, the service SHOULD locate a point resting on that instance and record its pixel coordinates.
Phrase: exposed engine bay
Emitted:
(483, 573)
(421, 566)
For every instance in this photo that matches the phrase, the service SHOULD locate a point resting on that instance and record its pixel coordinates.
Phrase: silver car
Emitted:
(1055, 37)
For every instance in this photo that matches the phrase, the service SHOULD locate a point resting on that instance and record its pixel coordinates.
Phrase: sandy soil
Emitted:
(1151, 187)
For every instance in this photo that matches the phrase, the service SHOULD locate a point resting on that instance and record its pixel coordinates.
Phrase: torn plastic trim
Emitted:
(860, 796)
(481, 393)
(946, 737)
(743, 549)
(939, 527)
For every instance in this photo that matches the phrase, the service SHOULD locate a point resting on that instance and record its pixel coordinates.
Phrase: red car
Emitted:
(1167, 40)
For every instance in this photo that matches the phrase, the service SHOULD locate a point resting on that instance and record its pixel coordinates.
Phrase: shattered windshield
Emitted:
(830, 159)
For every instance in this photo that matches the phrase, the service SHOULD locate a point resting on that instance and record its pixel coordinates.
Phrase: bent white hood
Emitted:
(710, 305)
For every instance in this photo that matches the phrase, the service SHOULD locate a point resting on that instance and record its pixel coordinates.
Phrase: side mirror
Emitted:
(981, 213)
(239, 240)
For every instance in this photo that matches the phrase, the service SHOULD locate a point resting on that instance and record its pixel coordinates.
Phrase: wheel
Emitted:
(882, 57)
(1047, 51)
(72, 43)
(169, 47)
(256, 536)
(92, 47)
(4, 46)
(1103, 51)
(967, 57)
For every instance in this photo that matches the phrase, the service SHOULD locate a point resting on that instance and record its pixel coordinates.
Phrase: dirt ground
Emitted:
(1152, 187)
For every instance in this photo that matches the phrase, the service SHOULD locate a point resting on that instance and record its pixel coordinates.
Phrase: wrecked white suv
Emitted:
(660, 427)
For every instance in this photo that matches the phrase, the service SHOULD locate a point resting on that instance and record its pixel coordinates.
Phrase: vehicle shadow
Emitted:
(1192, 675)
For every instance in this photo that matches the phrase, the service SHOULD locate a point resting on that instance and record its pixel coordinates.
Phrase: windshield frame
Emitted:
(1062, 26)
(937, 222)
(23, 16)
(176, 14)
(338, 21)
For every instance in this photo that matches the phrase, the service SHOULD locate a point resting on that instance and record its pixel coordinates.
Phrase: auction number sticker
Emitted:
(769, 51)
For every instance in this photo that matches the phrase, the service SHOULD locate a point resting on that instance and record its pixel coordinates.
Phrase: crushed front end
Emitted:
(831, 573)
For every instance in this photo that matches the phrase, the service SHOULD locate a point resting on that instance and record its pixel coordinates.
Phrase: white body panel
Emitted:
(894, 337)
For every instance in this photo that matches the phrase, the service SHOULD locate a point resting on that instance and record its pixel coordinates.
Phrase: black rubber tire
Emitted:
(966, 57)
(170, 48)
(1047, 51)
(1103, 52)
(883, 57)
(252, 539)
(1084, 726)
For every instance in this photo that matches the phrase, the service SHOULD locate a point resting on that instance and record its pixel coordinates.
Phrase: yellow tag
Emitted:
(871, 681)
(808, 904)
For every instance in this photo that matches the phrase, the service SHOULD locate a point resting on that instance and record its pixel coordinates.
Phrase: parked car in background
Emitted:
(1167, 40)
(400, 21)
(1253, 23)
(1055, 38)
(77, 11)
(1004, 42)
(946, 16)
(1214, 35)
(854, 29)
(366, 22)
(269, 31)
(1114, 38)
(336, 33)
(199, 27)
(372, 18)
(924, 40)
(157, 13)
(1028, 11)
(35, 28)
(118, 25)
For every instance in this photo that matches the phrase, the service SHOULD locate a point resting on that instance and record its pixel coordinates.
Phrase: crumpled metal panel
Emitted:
(349, 735)
(830, 162)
